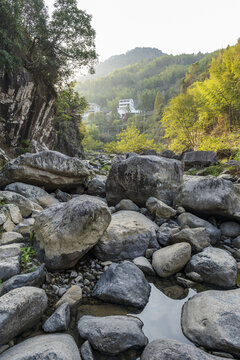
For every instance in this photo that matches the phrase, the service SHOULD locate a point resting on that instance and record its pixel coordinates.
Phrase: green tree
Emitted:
(50, 48)
(146, 99)
(10, 33)
(221, 92)
(68, 120)
(180, 120)
(158, 106)
(130, 140)
(91, 141)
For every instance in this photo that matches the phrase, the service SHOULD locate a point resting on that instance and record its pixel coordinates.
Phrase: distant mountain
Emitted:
(119, 61)
(140, 81)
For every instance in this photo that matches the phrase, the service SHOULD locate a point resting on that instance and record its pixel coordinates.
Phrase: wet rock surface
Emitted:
(125, 333)
(124, 284)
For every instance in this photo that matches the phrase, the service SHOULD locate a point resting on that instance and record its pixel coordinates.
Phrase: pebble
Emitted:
(73, 274)
(149, 252)
(79, 278)
(61, 291)
(106, 263)
(185, 282)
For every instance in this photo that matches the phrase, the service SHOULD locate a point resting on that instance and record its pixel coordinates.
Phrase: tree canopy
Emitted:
(206, 115)
(50, 47)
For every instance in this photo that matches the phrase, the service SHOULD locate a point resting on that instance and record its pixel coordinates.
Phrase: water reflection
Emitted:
(161, 316)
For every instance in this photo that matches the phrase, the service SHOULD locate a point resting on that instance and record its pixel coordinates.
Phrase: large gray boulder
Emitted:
(164, 349)
(112, 334)
(210, 195)
(20, 309)
(140, 177)
(198, 238)
(67, 231)
(26, 206)
(199, 159)
(123, 284)
(214, 266)
(128, 236)
(50, 169)
(35, 278)
(44, 347)
(212, 319)
(171, 259)
(195, 222)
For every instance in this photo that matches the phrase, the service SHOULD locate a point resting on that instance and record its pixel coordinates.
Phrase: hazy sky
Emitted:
(173, 26)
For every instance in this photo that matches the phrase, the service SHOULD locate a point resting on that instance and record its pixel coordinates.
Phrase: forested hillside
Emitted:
(140, 81)
(139, 54)
(206, 114)
(152, 84)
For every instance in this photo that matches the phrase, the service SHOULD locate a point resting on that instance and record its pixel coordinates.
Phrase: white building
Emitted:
(126, 106)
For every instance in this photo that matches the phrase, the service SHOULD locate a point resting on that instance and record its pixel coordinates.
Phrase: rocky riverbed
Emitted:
(118, 257)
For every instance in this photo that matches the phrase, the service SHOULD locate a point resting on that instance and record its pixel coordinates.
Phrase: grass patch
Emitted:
(106, 167)
(214, 170)
(2, 201)
(28, 255)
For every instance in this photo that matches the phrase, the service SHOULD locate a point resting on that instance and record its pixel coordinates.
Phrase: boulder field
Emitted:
(74, 235)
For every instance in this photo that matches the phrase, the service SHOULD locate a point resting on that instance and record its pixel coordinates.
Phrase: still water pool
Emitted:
(161, 316)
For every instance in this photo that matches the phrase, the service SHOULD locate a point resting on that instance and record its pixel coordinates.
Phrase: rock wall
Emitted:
(26, 110)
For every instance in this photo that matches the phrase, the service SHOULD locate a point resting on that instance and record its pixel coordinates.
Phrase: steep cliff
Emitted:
(26, 110)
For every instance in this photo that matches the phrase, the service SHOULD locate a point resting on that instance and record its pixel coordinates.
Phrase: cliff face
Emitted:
(26, 110)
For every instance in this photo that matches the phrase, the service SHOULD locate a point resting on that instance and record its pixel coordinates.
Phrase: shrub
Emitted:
(130, 140)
